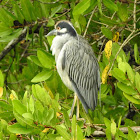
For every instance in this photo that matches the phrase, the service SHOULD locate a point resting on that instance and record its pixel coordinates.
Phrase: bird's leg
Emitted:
(77, 114)
(73, 105)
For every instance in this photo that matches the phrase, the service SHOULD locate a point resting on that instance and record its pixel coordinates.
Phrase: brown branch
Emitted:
(12, 44)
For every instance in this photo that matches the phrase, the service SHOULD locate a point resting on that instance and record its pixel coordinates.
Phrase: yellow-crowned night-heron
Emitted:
(76, 64)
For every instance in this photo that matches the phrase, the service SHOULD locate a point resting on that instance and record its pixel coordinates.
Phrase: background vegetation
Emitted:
(34, 103)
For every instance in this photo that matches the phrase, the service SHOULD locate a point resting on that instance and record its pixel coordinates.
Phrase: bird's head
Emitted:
(63, 27)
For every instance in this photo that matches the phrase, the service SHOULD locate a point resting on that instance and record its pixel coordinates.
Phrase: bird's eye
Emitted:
(58, 28)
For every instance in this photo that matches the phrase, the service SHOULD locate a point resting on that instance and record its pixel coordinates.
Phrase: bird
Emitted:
(76, 64)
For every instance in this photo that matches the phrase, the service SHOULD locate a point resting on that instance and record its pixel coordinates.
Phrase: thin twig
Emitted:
(98, 40)
(100, 52)
(102, 36)
(132, 35)
(134, 14)
(137, 68)
(48, 2)
(62, 14)
(25, 49)
(123, 44)
(106, 27)
(99, 22)
(17, 82)
(89, 21)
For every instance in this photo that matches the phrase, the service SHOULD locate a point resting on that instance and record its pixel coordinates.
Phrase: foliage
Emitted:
(34, 103)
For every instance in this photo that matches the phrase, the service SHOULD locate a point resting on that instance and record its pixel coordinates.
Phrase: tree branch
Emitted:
(12, 44)
(134, 14)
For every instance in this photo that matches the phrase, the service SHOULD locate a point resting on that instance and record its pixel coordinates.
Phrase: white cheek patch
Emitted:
(63, 30)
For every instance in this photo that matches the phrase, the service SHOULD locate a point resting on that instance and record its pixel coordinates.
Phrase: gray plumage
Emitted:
(76, 64)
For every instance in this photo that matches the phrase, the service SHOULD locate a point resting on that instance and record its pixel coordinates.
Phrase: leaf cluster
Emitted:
(35, 104)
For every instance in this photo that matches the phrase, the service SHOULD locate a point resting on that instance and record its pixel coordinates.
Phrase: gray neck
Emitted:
(58, 43)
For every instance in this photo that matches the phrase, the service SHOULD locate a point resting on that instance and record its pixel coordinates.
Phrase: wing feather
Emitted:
(83, 71)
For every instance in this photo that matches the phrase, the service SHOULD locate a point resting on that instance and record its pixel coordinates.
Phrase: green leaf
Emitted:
(127, 89)
(66, 118)
(19, 107)
(14, 94)
(110, 5)
(45, 9)
(12, 36)
(18, 13)
(113, 128)
(13, 137)
(136, 54)
(131, 98)
(122, 12)
(55, 10)
(99, 3)
(63, 132)
(28, 117)
(5, 106)
(51, 22)
(55, 104)
(119, 122)
(35, 60)
(130, 72)
(50, 115)
(108, 134)
(104, 88)
(20, 119)
(81, 7)
(120, 133)
(5, 30)
(79, 133)
(28, 10)
(38, 9)
(41, 95)
(50, 39)
(137, 81)
(88, 131)
(31, 104)
(18, 129)
(131, 134)
(118, 74)
(1, 79)
(25, 10)
(74, 127)
(121, 66)
(107, 122)
(108, 21)
(106, 32)
(6, 16)
(42, 76)
(46, 59)
(25, 98)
